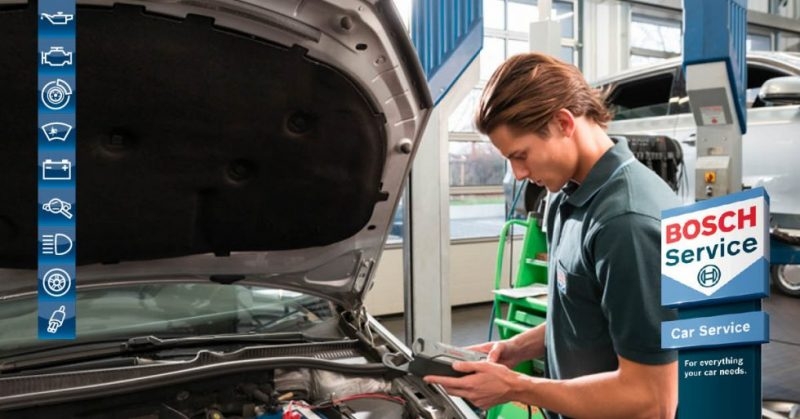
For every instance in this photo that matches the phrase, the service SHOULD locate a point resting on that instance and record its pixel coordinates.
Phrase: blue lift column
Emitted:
(720, 326)
(715, 33)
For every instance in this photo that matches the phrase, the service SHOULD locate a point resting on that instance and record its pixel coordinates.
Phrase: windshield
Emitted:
(168, 310)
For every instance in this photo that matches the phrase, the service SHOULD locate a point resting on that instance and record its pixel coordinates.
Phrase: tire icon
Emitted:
(56, 94)
(56, 282)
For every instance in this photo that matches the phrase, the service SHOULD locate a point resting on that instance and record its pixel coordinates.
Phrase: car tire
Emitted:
(787, 279)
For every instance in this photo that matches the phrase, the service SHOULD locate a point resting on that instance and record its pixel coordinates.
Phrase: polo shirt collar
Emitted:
(612, 160)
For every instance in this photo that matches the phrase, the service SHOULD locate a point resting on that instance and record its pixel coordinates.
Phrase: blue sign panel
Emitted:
(56, 134)
(725, 330)
(719, 383)
(716, 250)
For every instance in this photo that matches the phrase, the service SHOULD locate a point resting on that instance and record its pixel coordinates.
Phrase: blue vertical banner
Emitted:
(57, 171)
(714, 270)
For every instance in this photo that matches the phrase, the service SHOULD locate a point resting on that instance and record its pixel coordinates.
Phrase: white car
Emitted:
(238, 165)
(653, 101)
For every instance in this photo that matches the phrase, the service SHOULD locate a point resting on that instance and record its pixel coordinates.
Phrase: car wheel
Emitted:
(787, 279)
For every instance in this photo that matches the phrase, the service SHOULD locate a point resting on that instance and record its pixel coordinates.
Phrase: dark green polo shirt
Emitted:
(605, 268)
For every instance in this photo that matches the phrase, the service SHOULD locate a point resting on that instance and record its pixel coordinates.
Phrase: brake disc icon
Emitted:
(56, 94)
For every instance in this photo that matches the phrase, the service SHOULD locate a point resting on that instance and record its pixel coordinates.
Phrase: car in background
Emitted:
(240, 163)
(652, 100)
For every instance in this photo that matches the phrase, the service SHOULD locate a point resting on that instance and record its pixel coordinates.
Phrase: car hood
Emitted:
(255, 141)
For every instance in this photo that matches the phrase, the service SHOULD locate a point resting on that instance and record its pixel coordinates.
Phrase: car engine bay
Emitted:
(280, 393)
(329, 379)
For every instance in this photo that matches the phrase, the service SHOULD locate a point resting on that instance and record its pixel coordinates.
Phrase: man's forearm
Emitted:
(531, 342)
(602, 395)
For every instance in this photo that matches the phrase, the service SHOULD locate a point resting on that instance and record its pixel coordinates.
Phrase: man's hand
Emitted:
(489, 385)
(501, 352)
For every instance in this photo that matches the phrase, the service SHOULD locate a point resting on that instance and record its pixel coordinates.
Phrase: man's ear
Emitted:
(565, 122)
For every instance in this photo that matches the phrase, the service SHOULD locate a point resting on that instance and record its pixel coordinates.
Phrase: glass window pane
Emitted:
(564, 13)
(788, 42)
(461, 119)
(759, 42)
(492, 55)
(758, 5)
(642, 98)
(567, 54)
(518, 47)
(475, 163)
(656, 34)
(785, 8)
(476, 215)
(494, 14)
(520, 15)
(396, 228)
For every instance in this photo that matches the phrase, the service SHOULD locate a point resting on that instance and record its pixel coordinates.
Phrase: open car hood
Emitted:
(256, 141)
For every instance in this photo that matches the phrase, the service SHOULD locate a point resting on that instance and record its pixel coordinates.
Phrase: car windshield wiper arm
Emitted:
(152, 342)
(78, 352)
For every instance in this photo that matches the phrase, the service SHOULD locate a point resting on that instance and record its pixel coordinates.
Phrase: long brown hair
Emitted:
(528, 89)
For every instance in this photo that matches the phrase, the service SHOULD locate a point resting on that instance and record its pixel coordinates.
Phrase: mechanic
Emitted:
(602, 336)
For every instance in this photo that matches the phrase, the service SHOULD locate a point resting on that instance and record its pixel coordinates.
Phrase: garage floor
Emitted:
(780, 358)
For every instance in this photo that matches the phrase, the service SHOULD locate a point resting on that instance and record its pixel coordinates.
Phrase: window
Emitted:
(785, 8)
(494, 15)
(568, 54)
(477, 204)
(521, 14)
(564, 13)
(654, 39)
(788, 42)
(756, 76)
(759, 42)
(462, 118)
(642, 98)
(492, 55)
(475, 163)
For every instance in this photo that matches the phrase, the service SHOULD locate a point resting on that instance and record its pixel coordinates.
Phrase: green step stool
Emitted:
(524, 312)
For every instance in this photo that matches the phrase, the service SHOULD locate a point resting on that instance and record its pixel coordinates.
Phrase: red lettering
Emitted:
(726, 228)
(691, 234)
(709, 227)
(749, 217)
(711, 224)
(673, 233)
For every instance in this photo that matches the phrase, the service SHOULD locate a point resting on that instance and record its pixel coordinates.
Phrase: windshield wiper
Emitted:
(92, 350)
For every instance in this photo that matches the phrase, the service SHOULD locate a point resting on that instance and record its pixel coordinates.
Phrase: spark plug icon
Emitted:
(57, 319)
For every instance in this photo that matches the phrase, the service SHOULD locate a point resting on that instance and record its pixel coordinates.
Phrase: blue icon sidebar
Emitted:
(56, 136)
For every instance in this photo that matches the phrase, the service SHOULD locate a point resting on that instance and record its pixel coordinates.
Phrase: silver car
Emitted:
(653, 101)
(239, 165)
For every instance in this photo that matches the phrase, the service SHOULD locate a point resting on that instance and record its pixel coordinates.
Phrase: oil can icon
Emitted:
(59, 18)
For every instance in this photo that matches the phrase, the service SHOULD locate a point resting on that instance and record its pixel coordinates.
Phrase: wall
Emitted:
(472, 266)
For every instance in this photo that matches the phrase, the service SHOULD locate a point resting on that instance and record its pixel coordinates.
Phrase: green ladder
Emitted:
(522, 313)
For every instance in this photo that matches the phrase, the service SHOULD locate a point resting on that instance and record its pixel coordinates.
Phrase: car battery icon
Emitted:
(56, 170)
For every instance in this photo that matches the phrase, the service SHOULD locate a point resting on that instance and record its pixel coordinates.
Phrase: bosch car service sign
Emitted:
(716, 250)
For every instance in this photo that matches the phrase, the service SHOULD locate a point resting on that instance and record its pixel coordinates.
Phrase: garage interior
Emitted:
(632, 35)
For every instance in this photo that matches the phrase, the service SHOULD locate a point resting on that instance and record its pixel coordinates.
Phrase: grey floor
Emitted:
(780, 358)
